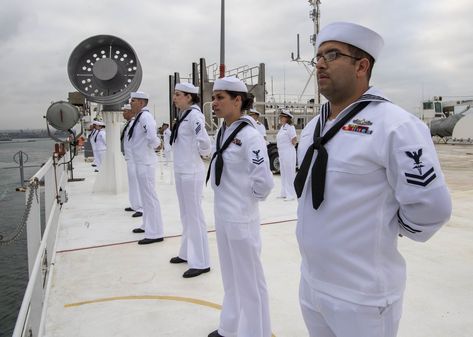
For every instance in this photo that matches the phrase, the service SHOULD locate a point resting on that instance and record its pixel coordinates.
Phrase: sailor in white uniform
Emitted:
(190, 142)
(133, 191)
(144, 141)
(369, 175)
(167, 148)
(240, 177)
(99, 139)
(90, 140)
(255, 114)
(286, 140)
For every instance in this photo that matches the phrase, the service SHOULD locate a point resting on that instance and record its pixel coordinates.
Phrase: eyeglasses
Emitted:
(333, 55)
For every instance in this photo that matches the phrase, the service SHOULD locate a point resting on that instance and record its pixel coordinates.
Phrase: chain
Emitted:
(33, 191)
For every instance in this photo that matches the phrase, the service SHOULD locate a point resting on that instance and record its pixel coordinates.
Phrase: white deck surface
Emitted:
(105, 284)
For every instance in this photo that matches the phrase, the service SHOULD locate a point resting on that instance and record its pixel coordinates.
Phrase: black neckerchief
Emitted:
(175, 127)
(91, 133)
(137, 118)
(98, 131)
(319, 169)
(219, 151)
(124, 129)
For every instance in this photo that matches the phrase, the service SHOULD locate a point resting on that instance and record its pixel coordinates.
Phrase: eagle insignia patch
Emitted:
(421, 177)
(257, 160)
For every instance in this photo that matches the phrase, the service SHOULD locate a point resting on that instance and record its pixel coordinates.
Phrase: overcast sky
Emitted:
(428, 45)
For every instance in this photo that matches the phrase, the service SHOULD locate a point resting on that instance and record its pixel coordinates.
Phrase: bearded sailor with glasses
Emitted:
(369, 175)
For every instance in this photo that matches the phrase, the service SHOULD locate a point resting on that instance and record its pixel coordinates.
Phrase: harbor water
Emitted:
(13, 257)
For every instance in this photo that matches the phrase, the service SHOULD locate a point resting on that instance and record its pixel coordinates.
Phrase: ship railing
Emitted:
(303, 113)
(41, 245)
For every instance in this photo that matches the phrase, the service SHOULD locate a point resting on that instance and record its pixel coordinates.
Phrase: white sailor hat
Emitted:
(356, 35)
(230, 84)
(99, 123)
(254, 111)
(286, 112)
(139, 94)
(187, 87)
(126, 107)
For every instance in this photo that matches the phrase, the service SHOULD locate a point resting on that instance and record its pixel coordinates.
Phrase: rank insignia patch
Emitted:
(420, 179)
(198, 128)
(257, 159)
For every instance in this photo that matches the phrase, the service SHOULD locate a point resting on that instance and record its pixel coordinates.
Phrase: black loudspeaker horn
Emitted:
(105, 69)
(63, 116)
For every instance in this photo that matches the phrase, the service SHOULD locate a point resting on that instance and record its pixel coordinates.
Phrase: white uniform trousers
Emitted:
(287, 162)
(152, 218)
(245, 309)
(167, 156)
(94, 155)
(194, 242)
(99, 156)
(133, 190)
(327, 316)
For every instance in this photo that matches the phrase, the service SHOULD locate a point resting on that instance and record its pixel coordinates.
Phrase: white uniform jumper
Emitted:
(189, 171)
(143, 143)
(100, 147)
(246, 179)
(92, 144)
(287, 160)
(261, 129)
(383, 179)
(133, 190)
(167, 151)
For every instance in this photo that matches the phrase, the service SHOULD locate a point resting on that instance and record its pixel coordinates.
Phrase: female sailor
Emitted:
(286, 140)
(240, 177)
(100, 144)
(190, 142)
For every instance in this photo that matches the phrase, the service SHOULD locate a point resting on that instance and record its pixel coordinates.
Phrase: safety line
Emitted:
(166, 237)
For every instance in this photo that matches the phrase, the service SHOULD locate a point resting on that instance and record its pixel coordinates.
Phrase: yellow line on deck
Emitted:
(149, 297)
(165, 298)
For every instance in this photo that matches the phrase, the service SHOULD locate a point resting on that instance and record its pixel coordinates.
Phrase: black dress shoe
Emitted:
(129, 209)
(177, 259)
(93, 165)
(137, 214)
(215, 334)
(194, 272)
(146, 241)
(138, 230)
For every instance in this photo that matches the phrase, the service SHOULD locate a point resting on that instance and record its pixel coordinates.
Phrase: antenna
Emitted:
(298, 51)
(314, 14)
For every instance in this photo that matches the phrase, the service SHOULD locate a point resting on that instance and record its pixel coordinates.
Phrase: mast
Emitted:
(310, 65)
(222, 39)
(315, 16)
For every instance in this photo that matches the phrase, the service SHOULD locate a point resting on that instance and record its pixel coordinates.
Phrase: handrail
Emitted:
(32, 311)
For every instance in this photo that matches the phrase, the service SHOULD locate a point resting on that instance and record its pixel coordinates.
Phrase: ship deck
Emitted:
(104, 284)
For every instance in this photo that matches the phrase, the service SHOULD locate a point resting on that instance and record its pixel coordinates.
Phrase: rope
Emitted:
(10, 238)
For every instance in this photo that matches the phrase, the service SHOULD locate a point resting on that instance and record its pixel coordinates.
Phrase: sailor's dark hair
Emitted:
(360, 53)
(246, 101)
(195, 98)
